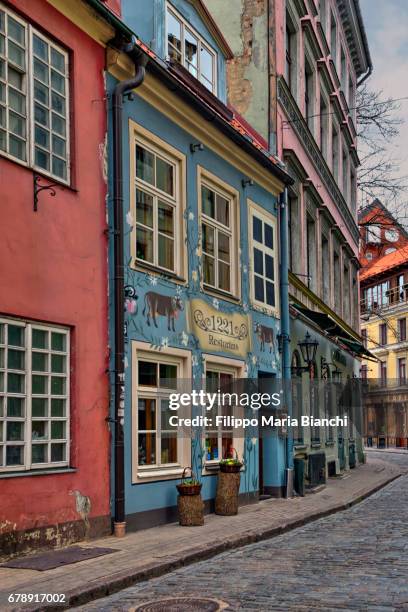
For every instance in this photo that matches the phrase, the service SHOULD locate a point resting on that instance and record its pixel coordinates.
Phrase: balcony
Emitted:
(387, 300)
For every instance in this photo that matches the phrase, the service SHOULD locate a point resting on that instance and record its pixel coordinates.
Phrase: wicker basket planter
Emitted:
(189, 502)
(226, 499)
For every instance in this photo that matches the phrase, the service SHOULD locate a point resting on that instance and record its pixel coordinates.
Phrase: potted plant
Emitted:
(226, 499)
(189, 503)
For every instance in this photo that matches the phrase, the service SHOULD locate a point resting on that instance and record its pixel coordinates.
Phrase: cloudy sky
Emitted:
(386, 23)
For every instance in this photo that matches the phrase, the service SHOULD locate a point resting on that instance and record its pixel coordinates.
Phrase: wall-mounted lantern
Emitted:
(308, 350)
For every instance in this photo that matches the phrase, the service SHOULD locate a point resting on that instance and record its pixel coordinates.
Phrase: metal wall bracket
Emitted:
(38, 188)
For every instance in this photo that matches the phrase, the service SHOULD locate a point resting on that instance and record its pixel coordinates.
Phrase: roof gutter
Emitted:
(365, 43)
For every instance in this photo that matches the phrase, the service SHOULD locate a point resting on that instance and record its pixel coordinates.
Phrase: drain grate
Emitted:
(181, 604)
(58, 558)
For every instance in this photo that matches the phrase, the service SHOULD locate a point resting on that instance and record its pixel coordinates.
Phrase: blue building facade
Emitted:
(201, 253)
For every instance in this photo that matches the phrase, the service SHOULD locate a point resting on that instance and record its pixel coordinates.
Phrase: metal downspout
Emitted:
(285, 326)
(117, 107)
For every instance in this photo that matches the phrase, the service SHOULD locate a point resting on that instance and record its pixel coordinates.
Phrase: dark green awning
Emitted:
(334, 330)
(358, 348)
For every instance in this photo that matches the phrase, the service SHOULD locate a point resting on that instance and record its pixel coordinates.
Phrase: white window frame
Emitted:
(237, 369)
(138, 135)
(182, 359)
(28, 396)
(201, 43)
(214, 183)
(28, 74)
(256, 210)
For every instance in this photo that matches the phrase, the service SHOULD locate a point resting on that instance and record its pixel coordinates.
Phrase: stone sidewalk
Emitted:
(154, 552)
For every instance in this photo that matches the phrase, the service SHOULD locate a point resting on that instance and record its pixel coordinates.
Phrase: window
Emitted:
(400, 285)
(264, 258)
(364, 337)
(293, 233)
(333, 38)
(346, 294)
(34, 396)
(402, 330)
(335, 153)
(343, 71)
(351, 96)
(309, 93)
(33, 98)
(364, 372)
(186, 47)
(383, 372)
(353, 190)
(402, 371)
(158, 447)
(382, 333)
(324, 126)
(325, 280)
(323, 14)
(345, 174)
(297, 396)
(311, 252)
(157, 203)
(290, 65)
(221, 374)
(219, 223)
(336, 281)
(218, 440)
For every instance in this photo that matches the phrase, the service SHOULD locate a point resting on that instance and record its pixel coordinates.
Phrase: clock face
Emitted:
(391, 235)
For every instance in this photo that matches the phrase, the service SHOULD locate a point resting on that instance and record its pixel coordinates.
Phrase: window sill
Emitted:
(300, 447)
(159, 474)
(330, 443)
(224, 295)
(150, 269)
(40, 472)
(315, 445)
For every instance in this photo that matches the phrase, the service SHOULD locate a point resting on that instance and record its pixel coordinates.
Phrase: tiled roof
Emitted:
(387, 262)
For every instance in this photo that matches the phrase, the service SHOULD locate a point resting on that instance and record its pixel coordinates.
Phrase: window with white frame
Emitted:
(218, 438)
(264, 275)
(156, 208)
(34, 98)
(187, 47)
(218, 237)
(34, 396)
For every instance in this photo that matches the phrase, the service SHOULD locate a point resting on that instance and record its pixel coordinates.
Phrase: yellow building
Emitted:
(384, 314)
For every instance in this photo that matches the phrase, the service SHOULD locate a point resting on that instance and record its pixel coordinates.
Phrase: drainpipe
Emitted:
(120, 90)
(365, 76)
(285, 331)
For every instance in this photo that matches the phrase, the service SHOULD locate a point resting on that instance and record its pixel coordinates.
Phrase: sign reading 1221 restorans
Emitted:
(220, 331)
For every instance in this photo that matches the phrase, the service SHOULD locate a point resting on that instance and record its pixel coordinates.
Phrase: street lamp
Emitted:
(308, 350)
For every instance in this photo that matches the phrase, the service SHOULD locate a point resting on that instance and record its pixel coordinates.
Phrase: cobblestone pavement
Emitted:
(353, 560)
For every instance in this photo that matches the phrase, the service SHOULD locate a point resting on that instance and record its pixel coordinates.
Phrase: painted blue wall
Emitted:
(148, 21)
(146, 496)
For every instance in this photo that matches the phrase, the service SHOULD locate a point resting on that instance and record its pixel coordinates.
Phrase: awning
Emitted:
(358, 348)
(328, 325)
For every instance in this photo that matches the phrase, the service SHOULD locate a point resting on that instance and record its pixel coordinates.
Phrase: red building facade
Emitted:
(54, 395)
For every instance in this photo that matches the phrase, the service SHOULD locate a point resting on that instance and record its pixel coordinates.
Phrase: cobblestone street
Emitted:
(354, 560)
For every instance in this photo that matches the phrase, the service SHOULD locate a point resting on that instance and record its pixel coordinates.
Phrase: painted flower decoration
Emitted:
(254, 441)
(254, 359)
(191, 216)
(184, 338)
(198, 252)
(216, 303)
(129, 218)
(130, 306)
(164, 343)
(245, 307)
(194, 275)
(194, 361)
(152, 280)
(245, 269)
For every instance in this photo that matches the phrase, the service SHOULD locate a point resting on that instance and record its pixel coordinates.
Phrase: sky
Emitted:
(386, 23)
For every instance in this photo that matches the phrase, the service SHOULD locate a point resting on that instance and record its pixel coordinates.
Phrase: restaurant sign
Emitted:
(220, 331)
